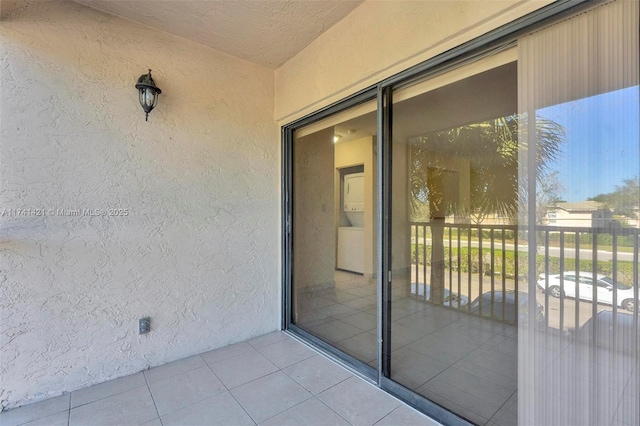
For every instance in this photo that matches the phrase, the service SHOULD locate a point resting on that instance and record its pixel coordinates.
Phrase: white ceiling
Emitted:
(266, 32)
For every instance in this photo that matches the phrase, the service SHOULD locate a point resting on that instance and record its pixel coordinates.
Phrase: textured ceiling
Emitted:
(267, 32)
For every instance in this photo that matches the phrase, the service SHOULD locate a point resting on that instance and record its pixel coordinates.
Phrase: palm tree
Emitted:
(490, 150)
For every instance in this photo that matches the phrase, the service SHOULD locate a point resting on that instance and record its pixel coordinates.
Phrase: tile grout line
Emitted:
(495, 419)
(242, 406)
(397, 400)
(198, 401)
(69, 411)
(279, 370)
(289, 408)
(43, 415)
(105, 397)
(464, 407)
(309, 390)
(146, 380)
(385, 416)
(312, 395)
(325, 404)
(252, 380)
(335, 361)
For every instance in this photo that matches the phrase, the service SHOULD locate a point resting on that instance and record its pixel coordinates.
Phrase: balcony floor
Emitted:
(272, 380)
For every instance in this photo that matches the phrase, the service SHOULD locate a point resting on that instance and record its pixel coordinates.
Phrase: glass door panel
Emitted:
(454, 289)
(334, 289)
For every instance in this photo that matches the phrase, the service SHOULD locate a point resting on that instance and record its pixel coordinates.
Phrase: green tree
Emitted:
(548, 189)
(624, 200)
(490, 150)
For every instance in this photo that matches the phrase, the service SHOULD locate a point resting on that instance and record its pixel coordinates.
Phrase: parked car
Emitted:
(451, 299)
(502, 306)
(581, 284)
(621, 334)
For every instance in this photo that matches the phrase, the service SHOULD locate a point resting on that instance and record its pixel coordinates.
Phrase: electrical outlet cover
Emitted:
(144, 325)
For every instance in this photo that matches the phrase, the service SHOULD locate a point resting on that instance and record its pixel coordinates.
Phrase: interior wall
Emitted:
(314, 239)
(192, 237)
(379, 39)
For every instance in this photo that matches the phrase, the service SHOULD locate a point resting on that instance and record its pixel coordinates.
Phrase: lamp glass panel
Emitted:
(149, 97)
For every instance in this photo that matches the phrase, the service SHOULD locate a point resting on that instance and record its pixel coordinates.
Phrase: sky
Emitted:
(602, 145)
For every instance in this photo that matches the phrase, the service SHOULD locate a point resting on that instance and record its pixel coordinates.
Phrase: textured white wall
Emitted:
(198, 250)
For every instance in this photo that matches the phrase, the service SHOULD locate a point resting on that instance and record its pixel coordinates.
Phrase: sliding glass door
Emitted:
(454, 291)
(467, 234)
(334, 289)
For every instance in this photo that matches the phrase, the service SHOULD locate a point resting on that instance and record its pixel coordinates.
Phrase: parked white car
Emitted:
(581, 284)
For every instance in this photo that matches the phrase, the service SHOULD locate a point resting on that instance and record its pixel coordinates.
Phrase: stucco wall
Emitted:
(379, 39)
(197, 249)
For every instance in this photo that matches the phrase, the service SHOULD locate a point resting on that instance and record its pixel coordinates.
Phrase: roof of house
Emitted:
(588, 206)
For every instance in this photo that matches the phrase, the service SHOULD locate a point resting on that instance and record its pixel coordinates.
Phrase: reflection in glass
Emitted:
(587, 269)
(334, 290)
(455, 297)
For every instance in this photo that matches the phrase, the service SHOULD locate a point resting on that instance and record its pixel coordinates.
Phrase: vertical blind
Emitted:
(589, 372)
(591, 53)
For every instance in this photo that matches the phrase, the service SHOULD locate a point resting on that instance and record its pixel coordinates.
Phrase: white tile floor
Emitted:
(271, 380)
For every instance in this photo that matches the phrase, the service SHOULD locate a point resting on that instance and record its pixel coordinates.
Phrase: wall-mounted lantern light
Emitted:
(148, 92)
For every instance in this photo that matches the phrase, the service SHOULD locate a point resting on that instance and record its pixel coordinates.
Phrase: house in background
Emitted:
(219, 217)
(635, 222)
(583, 214)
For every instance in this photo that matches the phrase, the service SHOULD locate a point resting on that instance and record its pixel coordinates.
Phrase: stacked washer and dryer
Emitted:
(351, 238)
